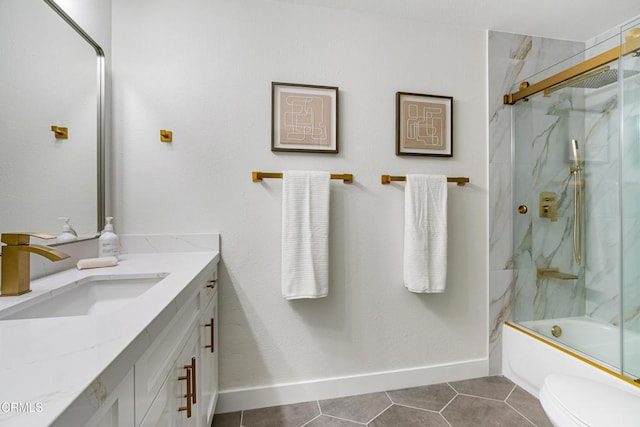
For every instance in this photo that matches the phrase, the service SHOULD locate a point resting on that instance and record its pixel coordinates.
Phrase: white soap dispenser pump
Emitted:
(109, 242)
(68, 233)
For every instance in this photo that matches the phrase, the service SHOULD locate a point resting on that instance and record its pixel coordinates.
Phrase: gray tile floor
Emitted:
(482, 402)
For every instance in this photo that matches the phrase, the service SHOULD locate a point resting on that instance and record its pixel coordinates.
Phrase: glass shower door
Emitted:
(550, 282)
(630, 93)
(567, 238)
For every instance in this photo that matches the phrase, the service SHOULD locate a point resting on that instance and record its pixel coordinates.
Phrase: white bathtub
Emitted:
(528, 357)
(599, 340)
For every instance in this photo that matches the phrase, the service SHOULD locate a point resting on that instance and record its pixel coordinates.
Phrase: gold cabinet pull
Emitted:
(193, 379)
(212, 335)
(188, 395)
(523, 209)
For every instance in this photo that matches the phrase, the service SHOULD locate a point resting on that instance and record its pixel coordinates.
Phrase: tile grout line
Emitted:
(316, 417)
(331, 416)
(521, 414)
(510, 393)
(427, 410)
(450, 400)
(346, 419)
(417, 408)
(380, 413)
(482, 397)
(311, 420)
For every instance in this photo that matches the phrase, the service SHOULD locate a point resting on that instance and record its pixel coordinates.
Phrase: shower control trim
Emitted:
(548, 206)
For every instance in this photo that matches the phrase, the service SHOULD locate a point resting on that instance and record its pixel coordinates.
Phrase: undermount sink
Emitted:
(92, 295)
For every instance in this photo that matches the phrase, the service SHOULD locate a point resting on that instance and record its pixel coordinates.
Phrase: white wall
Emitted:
(94, 16)
(204, 69)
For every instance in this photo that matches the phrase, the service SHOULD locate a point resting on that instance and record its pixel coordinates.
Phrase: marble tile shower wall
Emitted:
(631, 196)
(511, 58)
(543, 128)
(603, 207)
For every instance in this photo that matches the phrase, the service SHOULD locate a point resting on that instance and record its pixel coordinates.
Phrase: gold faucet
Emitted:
(16, 261)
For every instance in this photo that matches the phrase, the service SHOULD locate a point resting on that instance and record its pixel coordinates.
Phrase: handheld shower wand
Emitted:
(577, 203)
(576, 156)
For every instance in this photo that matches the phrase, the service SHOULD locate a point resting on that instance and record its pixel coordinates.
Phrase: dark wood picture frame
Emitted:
(424, 125)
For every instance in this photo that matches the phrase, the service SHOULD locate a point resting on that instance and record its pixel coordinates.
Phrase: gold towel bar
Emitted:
(258, 176)
(460, 180)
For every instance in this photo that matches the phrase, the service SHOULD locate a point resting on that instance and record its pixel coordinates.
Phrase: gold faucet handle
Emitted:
(13, 239)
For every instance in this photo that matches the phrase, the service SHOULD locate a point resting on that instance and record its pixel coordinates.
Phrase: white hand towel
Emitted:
(425, 233)
(107, 261)
(305, 234)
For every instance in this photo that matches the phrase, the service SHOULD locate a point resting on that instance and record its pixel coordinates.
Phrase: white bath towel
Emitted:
(425, 233)
(305, 234)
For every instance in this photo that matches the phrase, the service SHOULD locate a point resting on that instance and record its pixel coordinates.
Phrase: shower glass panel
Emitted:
(567, 213)
(630, 189)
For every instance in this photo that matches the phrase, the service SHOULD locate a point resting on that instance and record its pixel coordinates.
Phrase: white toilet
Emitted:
(573, 401)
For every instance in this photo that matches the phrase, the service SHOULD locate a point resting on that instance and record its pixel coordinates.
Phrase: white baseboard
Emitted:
(329, 388)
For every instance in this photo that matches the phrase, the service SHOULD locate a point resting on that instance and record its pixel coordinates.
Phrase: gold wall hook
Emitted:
(166, 135)
(60, 132)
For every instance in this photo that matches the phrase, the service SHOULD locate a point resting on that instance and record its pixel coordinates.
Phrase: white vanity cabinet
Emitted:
(176, 380)
(175, 404)
(208, 353)
(156, 365)
(127, 364)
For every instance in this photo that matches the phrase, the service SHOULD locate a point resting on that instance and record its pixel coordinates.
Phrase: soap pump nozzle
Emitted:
(108, 226)
(67, 226)
(68, 233)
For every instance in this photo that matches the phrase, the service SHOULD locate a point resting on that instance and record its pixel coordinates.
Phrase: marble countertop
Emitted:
(50, 365)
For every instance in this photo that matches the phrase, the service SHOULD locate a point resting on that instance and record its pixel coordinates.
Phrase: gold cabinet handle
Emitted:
(193, 379)
(212, 335)
(523, 209)
(188, 395)
(212, 284)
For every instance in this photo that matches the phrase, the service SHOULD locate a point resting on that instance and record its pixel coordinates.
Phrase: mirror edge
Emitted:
(101, 139)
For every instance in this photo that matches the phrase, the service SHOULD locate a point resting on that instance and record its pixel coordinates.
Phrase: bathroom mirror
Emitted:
(52, 74)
